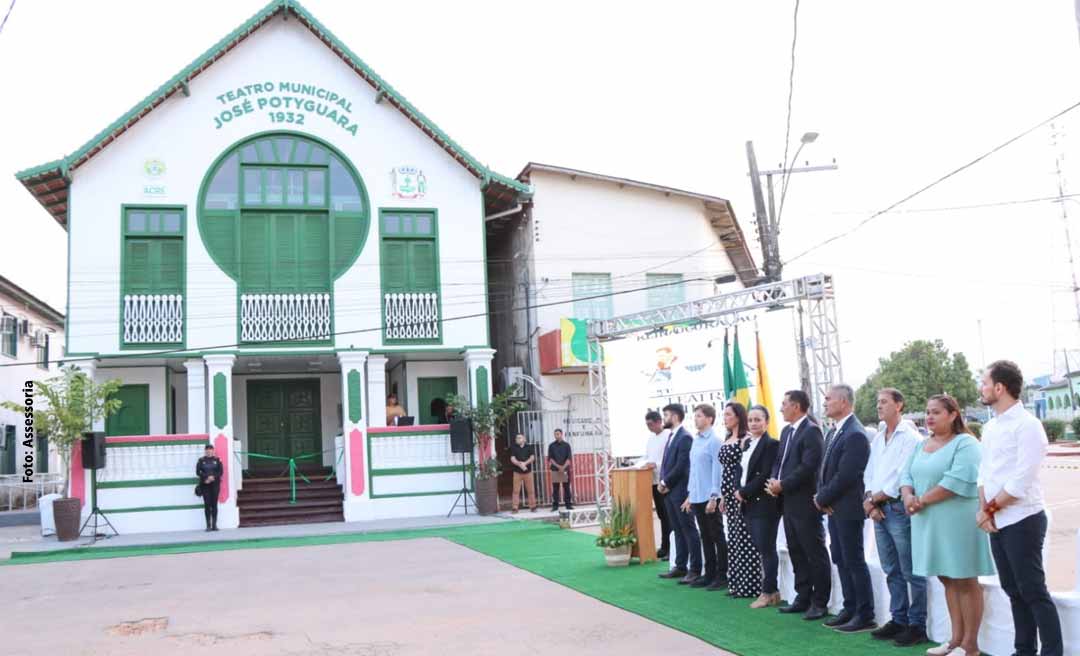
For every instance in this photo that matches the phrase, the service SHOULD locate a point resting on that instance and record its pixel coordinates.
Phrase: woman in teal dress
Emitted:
(940, 491)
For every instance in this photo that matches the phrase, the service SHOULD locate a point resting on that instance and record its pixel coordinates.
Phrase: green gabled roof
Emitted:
(49, 182)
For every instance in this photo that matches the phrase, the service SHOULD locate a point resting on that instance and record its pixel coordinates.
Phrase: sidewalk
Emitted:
(26, 539)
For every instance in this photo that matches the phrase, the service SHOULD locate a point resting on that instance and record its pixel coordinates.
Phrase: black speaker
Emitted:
(93, 450)
(461, 436)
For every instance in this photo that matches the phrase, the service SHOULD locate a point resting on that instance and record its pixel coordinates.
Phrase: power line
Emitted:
(6, 16)
(791, 93)
(936, 182)
(976, 206)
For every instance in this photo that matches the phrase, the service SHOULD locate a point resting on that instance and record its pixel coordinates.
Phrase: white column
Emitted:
(220, 422)
(196, 396)
(478, 364)
(353, 470)
(376, 389)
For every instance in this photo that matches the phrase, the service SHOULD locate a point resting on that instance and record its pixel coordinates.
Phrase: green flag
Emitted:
(740, 386)
(729, 380)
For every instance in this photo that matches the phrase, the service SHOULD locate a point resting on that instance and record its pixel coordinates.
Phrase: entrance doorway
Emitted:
(432, 393)
(284, 421)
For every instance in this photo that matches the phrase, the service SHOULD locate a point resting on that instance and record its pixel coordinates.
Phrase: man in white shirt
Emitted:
(890, 451)
(654, 460)
(1013, 512)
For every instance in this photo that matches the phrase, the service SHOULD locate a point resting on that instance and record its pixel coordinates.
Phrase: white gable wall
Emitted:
(181, 133)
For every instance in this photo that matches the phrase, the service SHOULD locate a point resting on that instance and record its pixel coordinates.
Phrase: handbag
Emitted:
(198, 490)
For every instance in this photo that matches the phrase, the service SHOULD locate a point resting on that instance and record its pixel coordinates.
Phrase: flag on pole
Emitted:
(738, 376)
(764, 391)
(729, 381)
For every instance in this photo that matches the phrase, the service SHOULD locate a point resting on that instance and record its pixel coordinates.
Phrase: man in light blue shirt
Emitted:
(704, 493)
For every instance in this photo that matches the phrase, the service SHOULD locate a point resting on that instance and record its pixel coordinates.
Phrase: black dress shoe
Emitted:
(890, 631)
(661, 554)
(793, 608)
(716, 585)
(569, 507)
(840, 620)
(858, 626)
(689, 578)
(701, 582)
(673, 574)
(815, 613)
(912, 635)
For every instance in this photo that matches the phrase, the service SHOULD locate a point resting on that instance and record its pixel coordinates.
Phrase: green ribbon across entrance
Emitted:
(293, 471)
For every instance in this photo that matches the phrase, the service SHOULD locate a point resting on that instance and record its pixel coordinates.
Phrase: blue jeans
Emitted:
(893, 536)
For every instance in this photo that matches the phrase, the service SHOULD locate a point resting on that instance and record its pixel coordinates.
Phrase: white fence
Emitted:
(153, 318)
(280, 317)
(16, 494)
(412, 316)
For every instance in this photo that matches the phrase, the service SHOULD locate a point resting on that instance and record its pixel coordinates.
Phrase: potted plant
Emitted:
(617, 535)
(65, 407)
(487, 420)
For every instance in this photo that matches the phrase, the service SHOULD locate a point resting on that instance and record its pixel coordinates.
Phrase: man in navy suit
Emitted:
(673, 485)
(839, 495)
(794, 481)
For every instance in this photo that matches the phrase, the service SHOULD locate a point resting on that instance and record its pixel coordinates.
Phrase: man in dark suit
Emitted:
(794, 481)
(760, 509)
(839, 495)
(673, 485)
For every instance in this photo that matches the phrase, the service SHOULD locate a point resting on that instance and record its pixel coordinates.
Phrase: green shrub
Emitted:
(1076, 427)
(1055, 429)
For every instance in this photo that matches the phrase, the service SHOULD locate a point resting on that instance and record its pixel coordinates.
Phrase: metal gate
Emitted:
(580, 431)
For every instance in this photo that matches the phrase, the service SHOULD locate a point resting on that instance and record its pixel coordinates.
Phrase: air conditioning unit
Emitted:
(512, 377)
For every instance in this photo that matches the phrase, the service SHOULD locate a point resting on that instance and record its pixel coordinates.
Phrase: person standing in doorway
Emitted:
(840, 496)
(654, 460)
(209, 471)
(1013, 511)
(559, 459)
(522, 458)
(674, 478)
(890, 451)
(794, 482)
(703, 499)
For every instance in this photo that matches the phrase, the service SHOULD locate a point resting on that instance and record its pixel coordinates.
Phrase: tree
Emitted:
(66, 406)
(919, 370)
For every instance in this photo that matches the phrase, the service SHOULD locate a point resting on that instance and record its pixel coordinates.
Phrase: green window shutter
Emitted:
(137, 266)
(422, 265)
(315, 254)
(395, 266)
(285, 273)
(45, 360)
(348, 235)
(169, 266)
(482, 395)
(220, 235)
(221, 401)
(355, 396)
(255, 262)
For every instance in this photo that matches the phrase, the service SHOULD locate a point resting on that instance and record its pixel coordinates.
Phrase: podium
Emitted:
(634, 486)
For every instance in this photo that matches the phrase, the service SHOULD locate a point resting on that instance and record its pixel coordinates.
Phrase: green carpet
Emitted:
(570, 559)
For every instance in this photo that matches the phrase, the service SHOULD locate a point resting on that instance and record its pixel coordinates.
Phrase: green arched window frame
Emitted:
(298, 174)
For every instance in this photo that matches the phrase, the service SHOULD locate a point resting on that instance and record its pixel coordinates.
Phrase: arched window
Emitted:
(283, 213)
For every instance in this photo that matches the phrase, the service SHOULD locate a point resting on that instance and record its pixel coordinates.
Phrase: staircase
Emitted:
(264, 500)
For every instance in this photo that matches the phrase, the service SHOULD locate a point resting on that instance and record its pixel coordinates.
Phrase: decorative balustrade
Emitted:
(412, 316)
(153, 318)
(146, 461)
(284, 317)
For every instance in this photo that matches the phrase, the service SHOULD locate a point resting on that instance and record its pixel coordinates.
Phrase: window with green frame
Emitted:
(152, 264)
(9, 340)
(409, 253)
(283, 212)
(588, 285)
(43, 353)
(664, 289)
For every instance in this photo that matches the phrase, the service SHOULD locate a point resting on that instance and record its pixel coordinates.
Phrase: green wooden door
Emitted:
(433, 393)
(133, 418)
(7, 465)
(284, 420)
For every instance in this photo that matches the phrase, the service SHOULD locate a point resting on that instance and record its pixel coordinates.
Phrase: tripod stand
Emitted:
(95, 512)
(463, 496)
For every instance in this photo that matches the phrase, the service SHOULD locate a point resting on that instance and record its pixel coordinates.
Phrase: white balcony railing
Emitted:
(282, 317)
(153, 318)
(412, 316)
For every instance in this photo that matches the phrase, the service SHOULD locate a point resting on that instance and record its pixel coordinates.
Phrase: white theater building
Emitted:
(261, 250)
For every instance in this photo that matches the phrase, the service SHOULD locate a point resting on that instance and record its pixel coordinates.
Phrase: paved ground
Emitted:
(365, 599)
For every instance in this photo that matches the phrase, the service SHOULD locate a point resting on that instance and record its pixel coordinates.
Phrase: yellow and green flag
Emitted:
(739, 385)
(729, 380)
(764, 391)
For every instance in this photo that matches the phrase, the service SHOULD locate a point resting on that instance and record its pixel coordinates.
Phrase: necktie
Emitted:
(787, 444)
(829, 441)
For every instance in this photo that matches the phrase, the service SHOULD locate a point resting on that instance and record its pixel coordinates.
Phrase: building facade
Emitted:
(31, 341)
(262, 250)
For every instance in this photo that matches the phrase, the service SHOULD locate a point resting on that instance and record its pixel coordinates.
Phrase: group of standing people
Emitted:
(950, 506)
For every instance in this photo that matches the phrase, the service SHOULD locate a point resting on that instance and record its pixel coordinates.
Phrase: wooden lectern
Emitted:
(634, 486)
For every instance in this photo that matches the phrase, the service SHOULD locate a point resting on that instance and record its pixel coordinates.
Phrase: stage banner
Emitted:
(650, 370)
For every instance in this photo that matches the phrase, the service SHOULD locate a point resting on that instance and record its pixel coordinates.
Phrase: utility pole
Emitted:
(768, 221)
(1054, 135)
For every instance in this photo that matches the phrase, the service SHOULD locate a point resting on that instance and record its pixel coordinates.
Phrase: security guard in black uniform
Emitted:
(209, 471)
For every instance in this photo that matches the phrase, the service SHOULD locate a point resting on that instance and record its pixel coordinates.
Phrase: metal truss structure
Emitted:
(812, 296)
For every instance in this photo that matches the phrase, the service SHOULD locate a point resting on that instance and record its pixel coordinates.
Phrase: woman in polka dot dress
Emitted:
(744, 562)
